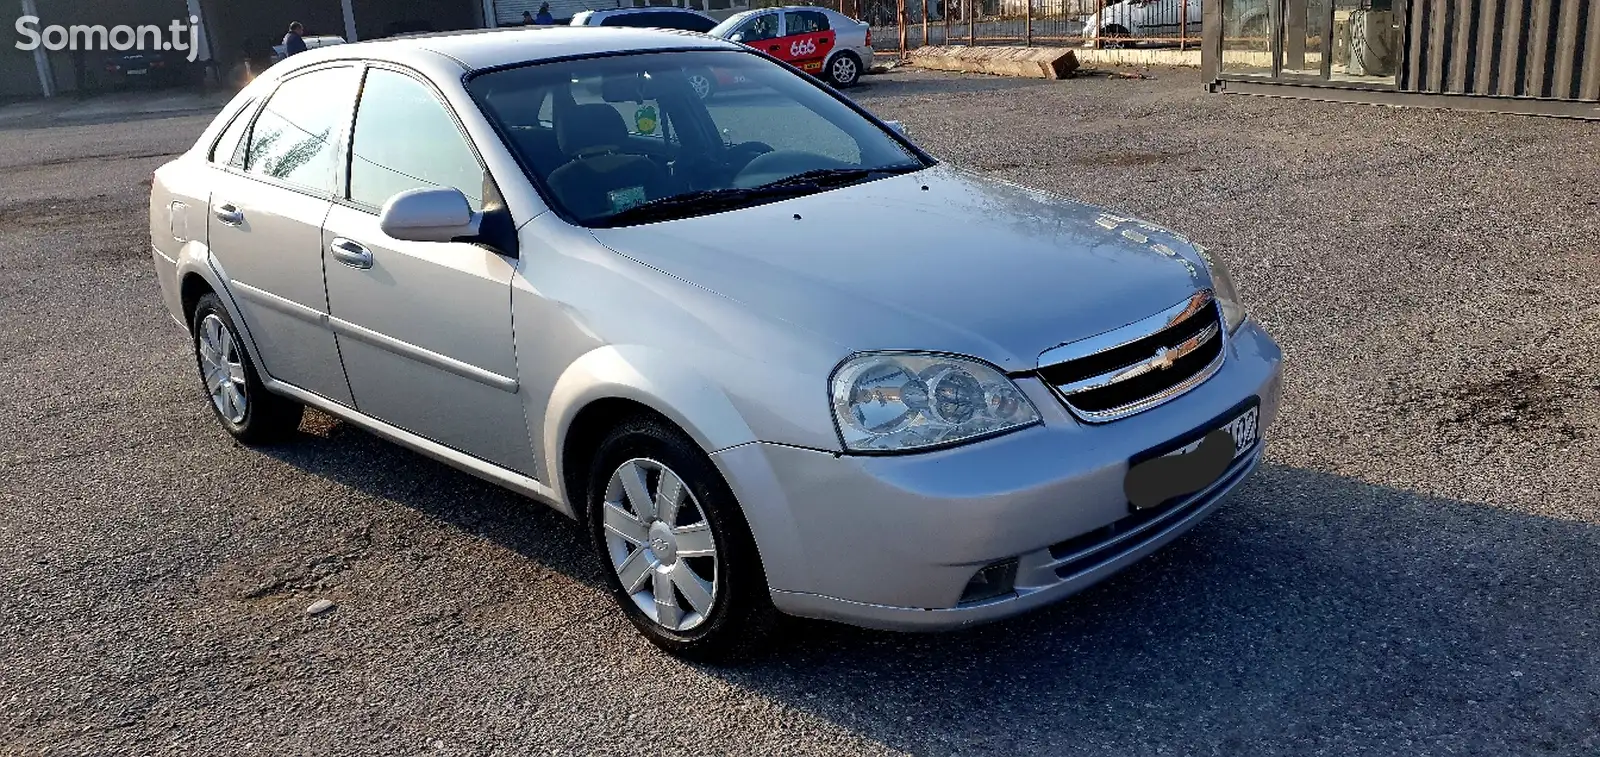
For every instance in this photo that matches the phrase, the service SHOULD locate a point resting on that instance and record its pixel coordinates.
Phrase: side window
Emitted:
(406, 139)
(226, 150)
(804, 22)
(764, 26)
(295, 138)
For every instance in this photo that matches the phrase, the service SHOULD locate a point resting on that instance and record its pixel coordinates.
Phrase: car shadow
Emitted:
(1313, 613)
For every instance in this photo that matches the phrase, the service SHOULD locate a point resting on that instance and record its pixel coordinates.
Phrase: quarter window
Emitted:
(406, 139)
(226, 151)
(295, 139)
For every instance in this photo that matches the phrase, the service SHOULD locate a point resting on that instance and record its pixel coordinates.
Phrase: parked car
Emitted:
(144, 68)
(1129, 21)
(819, 41)
(560, 279)
(312, 43)
(686, 19)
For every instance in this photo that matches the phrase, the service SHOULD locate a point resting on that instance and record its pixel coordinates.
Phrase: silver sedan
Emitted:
(770, 354)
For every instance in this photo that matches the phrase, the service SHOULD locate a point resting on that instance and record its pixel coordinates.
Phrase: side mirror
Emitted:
(429, 214)
(737, 38)
(899, 128)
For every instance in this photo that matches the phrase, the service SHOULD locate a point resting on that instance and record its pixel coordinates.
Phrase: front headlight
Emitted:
(902, 401)
(1227, 293)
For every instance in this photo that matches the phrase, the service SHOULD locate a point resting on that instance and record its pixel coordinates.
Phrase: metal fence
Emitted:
(899, 26)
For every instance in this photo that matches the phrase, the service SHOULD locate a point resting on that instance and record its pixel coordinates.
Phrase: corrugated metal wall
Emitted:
(1514, 48)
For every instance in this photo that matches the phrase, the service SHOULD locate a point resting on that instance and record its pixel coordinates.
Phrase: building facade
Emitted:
(1526, 56)
(234, 31)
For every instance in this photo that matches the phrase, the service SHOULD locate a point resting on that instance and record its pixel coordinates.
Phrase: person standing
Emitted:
(544, 17)
(294, 41)
(527, 18)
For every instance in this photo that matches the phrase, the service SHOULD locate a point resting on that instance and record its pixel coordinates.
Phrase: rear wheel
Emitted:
(241, 403)
(844, 70)
(676, 552)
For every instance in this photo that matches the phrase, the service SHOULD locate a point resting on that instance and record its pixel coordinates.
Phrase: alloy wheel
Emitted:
(844, 69)
(222, 369)
(660, 544)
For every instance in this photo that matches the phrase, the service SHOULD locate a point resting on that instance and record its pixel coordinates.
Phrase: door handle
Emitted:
(350, 253)
(230, 214)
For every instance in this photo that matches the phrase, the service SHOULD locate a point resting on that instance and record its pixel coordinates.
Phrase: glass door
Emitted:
(1344, 41)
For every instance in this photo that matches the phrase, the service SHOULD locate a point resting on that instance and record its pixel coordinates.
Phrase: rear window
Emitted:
(662, 20)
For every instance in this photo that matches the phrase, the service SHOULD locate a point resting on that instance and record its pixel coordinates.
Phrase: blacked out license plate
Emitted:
(1195, 464)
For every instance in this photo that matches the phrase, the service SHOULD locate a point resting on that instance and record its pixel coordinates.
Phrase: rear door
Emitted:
(424, 327)
(807, 39)
(264, 227)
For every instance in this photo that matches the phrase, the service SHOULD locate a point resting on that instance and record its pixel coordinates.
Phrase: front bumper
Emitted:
(892, 542)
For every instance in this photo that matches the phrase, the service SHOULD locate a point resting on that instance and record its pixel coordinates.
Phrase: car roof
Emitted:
(651, 9)
(478, 49)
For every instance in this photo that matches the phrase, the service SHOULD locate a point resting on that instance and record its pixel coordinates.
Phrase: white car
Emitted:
(654, 18)
(1129, 21)
(312, 43)
(818, 41)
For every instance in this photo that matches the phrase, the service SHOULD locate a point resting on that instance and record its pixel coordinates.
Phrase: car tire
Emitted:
(844, 70)
(234, 389)
(1117, 31)
(703, 83)
(709, 606)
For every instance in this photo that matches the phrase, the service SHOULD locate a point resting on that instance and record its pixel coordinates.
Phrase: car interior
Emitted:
(577, 136)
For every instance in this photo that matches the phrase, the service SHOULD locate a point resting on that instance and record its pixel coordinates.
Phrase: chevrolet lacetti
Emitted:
(773, 356)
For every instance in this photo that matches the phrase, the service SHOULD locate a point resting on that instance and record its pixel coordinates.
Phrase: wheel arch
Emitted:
(611, 382)
(614, 382)
(200, 274)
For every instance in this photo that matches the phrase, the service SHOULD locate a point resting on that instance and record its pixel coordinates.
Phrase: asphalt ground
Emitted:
(1413, 570)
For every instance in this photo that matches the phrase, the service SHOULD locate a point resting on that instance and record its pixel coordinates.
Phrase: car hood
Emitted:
(939, 260)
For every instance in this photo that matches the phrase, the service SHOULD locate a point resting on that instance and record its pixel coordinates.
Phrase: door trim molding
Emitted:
(282, 305)
(425, 356)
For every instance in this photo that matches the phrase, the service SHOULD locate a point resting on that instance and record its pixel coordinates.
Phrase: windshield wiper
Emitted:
(821, 177)
(700, 202)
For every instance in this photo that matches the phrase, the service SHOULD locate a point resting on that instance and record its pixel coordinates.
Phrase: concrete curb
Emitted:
(1030, 62)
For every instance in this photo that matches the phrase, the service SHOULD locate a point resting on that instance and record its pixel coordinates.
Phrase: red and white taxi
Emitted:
(819, 41)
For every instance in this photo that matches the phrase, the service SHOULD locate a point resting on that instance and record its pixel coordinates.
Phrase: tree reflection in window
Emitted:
(292, 140)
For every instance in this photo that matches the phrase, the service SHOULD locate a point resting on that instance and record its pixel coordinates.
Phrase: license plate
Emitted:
(1155, 480)
(139, 72)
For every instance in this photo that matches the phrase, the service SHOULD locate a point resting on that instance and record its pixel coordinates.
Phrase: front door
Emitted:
(806, 40)
(761, 32)
(265, 227)
(424, 327)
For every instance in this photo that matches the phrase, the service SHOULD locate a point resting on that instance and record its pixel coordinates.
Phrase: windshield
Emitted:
(685, 133)
(721, 30)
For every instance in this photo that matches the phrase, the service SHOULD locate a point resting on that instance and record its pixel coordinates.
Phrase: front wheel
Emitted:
(844, 70)
(1119, 38)
(241, 403)
(675, 549)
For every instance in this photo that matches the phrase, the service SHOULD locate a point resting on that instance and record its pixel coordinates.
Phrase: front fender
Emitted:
(650, 377)
(656, 379)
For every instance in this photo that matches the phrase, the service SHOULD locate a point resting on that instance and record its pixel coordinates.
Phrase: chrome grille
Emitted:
(1141, 365)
